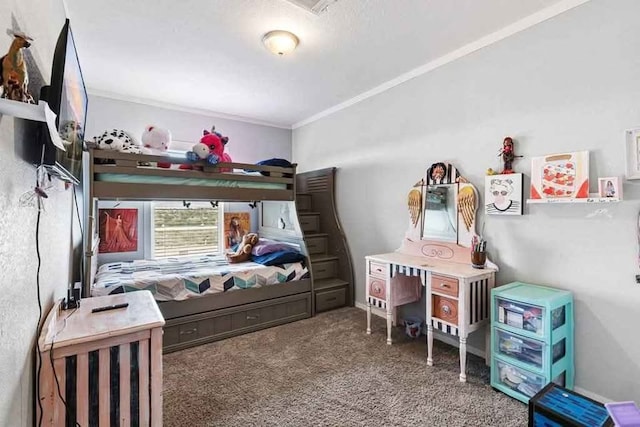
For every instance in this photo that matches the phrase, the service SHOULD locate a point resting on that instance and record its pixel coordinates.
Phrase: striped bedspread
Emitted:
(175, 279)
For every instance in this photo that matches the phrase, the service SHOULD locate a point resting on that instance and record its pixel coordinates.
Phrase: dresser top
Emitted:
(71, 327)
(433, 265)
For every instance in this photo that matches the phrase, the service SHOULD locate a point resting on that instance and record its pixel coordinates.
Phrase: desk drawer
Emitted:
(445, 309)
(330, 299)
(444, 285)
(378, 269)
(377, 287)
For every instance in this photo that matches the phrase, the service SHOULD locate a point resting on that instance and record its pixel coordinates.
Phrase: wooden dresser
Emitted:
(107, 366)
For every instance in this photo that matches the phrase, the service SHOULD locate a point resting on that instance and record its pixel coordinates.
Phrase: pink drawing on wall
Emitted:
(564, 175)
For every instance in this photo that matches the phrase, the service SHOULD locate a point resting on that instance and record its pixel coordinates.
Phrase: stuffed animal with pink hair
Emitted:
(210, 148)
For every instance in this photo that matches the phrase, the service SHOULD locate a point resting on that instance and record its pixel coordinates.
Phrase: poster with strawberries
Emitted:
(563, 175)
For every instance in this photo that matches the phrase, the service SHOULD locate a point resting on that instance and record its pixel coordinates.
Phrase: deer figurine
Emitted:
(13, 70)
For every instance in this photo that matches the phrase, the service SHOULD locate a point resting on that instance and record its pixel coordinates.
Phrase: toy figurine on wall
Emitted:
(508, 155)
(13, 70)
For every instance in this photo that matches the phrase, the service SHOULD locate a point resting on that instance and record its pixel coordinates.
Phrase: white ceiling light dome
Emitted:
(280, 42)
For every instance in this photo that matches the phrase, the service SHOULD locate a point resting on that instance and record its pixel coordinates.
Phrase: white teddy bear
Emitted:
(156, 141)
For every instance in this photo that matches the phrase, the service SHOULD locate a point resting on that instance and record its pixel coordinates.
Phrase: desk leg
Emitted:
(463, 359)
(368, 318)
(389, 323)
(429, 344)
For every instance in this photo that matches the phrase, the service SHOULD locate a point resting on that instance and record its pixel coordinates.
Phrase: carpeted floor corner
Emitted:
(325, 371)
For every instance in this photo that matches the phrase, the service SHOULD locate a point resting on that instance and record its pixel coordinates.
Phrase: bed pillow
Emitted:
(266, 246)
(278, 257)
(273, 162)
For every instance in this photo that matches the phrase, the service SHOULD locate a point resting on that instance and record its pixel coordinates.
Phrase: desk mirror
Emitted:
(440, 213)
(449, 205)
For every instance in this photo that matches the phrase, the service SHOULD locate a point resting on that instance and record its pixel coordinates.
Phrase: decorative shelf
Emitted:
(593, 198)
(23, 110)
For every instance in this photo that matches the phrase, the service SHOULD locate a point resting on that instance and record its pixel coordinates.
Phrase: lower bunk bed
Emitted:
(204, 298)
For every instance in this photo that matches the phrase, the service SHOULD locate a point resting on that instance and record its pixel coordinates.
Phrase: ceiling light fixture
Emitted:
(280, 42)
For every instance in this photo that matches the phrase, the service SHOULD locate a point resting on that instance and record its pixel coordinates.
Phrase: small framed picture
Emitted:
(503, 194)
(633, 153)
(610, 187)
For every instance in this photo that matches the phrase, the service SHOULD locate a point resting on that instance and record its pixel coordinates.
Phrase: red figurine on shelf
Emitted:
(508, 155)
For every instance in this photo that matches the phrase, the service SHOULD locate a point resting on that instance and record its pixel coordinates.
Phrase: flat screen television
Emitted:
(67, 98)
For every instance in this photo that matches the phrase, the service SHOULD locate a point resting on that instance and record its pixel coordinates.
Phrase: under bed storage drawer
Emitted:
(331, 299)
(206, 327)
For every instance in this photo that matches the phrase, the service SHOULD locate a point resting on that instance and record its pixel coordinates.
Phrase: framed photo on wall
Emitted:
(236, 225)
(503, 194)
(610, 187)
(633, 153)
(121, 230)
(118, 230)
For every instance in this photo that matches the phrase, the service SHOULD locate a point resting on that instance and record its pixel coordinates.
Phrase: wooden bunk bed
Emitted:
(123, 176)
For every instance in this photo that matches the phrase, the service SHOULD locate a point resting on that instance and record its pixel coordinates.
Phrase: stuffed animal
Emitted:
(13, 70)
(243, 253)
(156, 141)
(211, 149)
(117, 140)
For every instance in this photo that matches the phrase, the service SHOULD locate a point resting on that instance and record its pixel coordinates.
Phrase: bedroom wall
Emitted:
(18, 296)
(569, 83)
(248, 142)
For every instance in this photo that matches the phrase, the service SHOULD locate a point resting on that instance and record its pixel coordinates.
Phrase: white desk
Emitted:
(457, 295)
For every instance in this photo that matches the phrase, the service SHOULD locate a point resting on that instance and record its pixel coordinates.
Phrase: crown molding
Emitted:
(465, 50)
(175, 107)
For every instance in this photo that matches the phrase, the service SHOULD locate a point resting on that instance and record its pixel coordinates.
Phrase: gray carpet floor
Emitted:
(325, 371)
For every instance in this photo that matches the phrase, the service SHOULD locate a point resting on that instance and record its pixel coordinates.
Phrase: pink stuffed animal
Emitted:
(211, 149)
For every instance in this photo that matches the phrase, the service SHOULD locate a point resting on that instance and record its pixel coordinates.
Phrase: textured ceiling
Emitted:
(207, 54)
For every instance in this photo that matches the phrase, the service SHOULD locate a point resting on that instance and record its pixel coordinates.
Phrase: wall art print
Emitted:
(118, 230)
(563, 175)
(236, 225)
(503, 194)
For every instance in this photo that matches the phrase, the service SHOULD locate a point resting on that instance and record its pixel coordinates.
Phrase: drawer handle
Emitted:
(189, 331)
(252, 317)
(444, 285)
(332, 299)
(321, 270)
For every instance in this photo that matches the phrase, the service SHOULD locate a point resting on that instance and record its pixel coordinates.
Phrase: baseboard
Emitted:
(447, 339)
(592, 395)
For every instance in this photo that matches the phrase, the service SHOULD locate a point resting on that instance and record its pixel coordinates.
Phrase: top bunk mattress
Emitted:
(176, 279)
(200, 182)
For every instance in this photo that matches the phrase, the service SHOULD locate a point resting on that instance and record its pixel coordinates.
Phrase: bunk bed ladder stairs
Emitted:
(331, 266)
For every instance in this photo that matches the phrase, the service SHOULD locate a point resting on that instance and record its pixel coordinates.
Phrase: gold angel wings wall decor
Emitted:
(467, 205)
(414, 203)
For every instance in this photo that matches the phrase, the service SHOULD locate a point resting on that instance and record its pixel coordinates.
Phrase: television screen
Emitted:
(67, 97)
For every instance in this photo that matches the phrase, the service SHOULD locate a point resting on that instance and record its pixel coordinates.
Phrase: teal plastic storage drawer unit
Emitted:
(531, 339)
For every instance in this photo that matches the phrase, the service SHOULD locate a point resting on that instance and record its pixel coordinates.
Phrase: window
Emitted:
(181, 230)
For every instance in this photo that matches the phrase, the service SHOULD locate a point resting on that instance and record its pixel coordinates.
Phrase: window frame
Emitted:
(150, 241)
